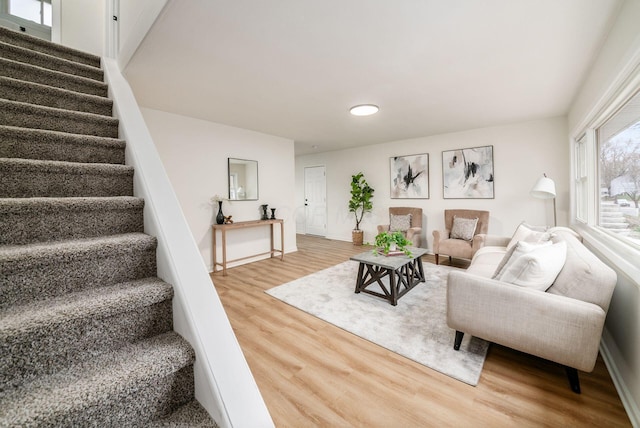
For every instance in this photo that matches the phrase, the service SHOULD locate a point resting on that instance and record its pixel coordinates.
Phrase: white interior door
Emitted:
(315, 200)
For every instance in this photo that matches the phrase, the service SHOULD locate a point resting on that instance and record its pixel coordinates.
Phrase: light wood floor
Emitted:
(311, 373)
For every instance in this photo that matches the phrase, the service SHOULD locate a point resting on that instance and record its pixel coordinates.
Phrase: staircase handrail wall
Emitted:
(224, 384)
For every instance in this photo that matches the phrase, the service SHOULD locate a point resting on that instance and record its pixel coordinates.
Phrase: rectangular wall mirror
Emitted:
(243, 180)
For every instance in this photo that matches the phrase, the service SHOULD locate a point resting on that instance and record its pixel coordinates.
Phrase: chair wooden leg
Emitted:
(458, 340)
(437, 259)
(574, 381)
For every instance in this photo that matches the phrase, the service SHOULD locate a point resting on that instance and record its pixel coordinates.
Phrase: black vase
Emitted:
(220, 216)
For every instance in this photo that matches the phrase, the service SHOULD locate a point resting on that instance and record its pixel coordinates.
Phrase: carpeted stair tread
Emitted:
(46, 270)
(44, 76)
(17, 257)
(191, 414)
(34, 43)
(49, 96)
(98, 302)
(86, 393)
(28, 220)
(30, 178)
(20, 54)
(16, 142)
(25, 115)
(85, 324)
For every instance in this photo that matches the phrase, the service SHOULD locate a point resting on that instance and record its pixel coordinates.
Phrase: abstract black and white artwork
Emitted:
(410, 177)
(468, 173)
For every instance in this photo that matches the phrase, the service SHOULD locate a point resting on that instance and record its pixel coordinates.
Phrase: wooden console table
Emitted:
(243, 225)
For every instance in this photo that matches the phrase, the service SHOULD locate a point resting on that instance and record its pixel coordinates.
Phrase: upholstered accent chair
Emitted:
(407, 220)
(461, 241)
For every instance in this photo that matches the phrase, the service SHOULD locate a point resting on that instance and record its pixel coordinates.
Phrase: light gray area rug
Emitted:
(416, 328)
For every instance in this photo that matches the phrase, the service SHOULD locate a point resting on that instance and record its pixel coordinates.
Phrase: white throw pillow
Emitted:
(463, 228)
(527, 233)
(534, 265)
(399, 223)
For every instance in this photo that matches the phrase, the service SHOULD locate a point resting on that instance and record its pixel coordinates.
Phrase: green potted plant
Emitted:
(360, 203)
(392, 241)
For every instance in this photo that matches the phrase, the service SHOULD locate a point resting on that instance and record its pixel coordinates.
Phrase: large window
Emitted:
(618, 144)
(38, 11)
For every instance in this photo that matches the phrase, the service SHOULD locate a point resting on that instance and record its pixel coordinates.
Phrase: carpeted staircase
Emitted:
(86, 336)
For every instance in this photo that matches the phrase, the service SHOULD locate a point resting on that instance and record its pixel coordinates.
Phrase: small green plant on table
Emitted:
(392, 241)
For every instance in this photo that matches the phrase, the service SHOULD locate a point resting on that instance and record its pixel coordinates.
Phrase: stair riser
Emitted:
(49, 277)
(48, 145)
(136, 409)
(19, 54)
(36, 117)
(26, 92)
(24, 358)
(43, 76)
(25, 41)
(33, 183)
(31, 227)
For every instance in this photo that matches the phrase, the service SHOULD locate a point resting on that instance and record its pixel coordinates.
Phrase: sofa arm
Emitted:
(383, 228)
(413, 231)
(550, 326)
(439, 235)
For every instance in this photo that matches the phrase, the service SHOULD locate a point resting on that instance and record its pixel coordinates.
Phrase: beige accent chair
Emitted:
(562, 324)
(443, 244)
(414, 233)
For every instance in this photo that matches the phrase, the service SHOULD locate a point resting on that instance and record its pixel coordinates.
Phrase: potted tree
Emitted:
(360, 203)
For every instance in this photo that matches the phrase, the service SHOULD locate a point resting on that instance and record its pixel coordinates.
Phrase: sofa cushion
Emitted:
(485, 261)
(534, 265)
(584, 276)
(399, 223)
(463, 228)
(527, 233)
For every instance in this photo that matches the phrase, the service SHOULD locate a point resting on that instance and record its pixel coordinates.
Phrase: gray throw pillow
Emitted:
(463, 228)
(399, 223)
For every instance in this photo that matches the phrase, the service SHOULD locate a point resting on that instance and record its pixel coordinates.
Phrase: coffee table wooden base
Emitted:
(401, 280)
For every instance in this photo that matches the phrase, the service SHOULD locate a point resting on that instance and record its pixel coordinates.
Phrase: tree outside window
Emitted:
(620, 182)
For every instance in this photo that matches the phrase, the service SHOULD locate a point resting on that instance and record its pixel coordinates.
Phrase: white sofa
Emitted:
(563, 324)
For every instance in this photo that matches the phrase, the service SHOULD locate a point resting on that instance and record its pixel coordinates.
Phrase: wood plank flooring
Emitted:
(311, 373)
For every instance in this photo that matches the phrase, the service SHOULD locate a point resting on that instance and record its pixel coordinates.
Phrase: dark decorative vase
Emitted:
(273, 213)
(265, 216)
(220, 216)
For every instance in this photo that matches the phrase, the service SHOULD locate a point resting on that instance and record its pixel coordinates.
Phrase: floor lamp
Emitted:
(545, 188)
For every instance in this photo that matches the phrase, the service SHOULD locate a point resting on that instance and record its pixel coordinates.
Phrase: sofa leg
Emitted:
(437, 259)
(574, 381)
(458, 340)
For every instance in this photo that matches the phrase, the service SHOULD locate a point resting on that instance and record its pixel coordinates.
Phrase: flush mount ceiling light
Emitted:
(364, 110)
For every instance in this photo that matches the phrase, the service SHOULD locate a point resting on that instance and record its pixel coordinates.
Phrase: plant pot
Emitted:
(357, 237)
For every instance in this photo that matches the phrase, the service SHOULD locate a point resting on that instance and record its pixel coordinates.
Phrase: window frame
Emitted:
(621, 252)
(20, 24)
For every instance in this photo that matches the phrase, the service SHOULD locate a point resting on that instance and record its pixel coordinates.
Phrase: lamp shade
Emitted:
(545, 188)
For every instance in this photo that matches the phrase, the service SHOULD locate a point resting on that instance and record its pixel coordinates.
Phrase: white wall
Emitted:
(522, 153)
(82, 25)
(195, 152)
(617, 63)
(135, 19)
(621, 46)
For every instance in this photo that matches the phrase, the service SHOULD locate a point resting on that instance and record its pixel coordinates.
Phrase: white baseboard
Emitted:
(617, 369)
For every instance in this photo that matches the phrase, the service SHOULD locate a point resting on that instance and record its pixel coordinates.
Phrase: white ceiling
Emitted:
(292, 68)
